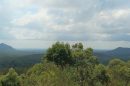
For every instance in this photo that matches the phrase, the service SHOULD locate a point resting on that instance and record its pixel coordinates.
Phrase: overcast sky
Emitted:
(98, 24)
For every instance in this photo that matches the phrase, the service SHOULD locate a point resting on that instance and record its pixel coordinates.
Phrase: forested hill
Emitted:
(120, 52)
(11, 57)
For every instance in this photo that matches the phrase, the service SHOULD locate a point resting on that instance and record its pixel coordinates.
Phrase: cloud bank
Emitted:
(65, 20)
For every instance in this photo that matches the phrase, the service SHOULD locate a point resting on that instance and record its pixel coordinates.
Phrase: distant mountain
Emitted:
(11, 57)
(5, 47)
(6, 50)
(120, 52)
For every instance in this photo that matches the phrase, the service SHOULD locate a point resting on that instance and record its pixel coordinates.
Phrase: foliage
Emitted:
(10, 79)
(59, 53)
(65, 65)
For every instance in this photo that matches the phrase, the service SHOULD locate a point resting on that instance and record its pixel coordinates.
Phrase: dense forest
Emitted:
(70, 65)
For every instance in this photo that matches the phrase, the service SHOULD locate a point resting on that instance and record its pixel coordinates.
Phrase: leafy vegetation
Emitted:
(66, 65)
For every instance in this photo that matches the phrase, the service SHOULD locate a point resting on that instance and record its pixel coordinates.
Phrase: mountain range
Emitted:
(11, 57)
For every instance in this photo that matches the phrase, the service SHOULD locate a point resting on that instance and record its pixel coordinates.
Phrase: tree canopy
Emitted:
(70, 65)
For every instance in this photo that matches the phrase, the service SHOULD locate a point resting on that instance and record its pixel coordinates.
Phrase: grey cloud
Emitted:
(70, 19)
(120, 37)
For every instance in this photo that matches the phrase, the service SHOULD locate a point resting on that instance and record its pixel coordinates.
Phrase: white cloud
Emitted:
(22, 33)
(27, 34)
(40, 16)
(100, 26)
(84, 20)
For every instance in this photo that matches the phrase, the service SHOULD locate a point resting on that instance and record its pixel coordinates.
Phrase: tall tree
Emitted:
(85, 64)
(60, 54)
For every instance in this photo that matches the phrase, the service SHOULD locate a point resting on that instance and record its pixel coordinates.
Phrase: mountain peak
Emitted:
(4, 46)
(121, 48)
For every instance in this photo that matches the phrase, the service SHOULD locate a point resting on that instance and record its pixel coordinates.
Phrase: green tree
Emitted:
(101, 75)
(60, 54)
(85, 64)
(11, 79)
(125, 75)
(114, 67)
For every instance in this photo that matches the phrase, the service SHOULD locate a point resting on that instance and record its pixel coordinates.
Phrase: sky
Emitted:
(100, 24)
